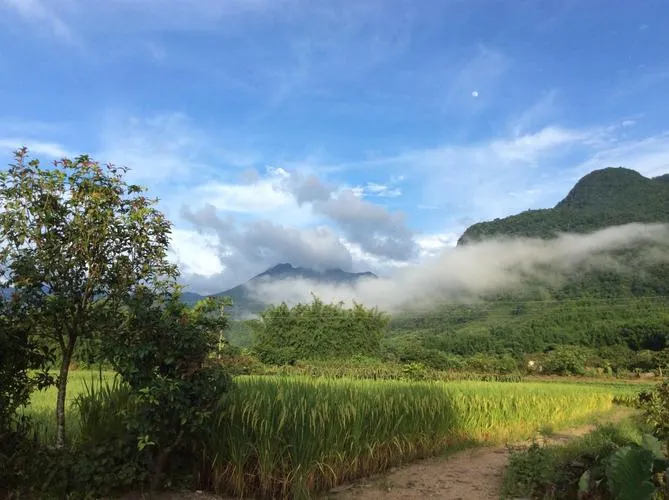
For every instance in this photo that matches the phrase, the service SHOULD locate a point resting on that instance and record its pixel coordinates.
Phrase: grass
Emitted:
(284, 436)
(42, 407)
(280, 436)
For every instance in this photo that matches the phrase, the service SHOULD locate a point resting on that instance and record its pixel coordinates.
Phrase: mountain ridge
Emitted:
(602, 198)
(244, 303)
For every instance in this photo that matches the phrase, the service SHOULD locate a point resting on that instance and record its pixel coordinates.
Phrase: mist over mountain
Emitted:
(607, 238)
(245, 301)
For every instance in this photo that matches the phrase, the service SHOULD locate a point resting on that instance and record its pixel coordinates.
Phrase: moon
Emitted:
(475, 93)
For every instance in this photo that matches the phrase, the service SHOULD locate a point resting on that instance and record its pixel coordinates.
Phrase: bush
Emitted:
(173, 388)
(317, 330)
(565, 360)
(579, 469)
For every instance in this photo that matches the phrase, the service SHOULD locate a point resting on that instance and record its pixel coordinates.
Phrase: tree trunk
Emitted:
(62, 392)
(161, 461)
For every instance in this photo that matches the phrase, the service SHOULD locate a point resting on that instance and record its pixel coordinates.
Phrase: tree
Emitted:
(317, 330)
(162, 355)
(77, 241)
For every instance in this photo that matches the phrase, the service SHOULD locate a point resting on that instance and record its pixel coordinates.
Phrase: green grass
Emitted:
(297, 435)
(293, 435)
(42, 408)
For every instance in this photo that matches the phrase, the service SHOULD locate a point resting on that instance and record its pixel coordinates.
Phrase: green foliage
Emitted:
(565, 360)
(607, 197)
(655, 406)
(629, 473)
(20, 356)
(317, 330)
(615, 335)
(577, 469)
(77, 240)
(161, 354)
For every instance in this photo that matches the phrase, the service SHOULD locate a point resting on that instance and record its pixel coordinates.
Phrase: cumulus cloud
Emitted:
(377, 230)
(465, 273)
(245, 248)
(288, 216)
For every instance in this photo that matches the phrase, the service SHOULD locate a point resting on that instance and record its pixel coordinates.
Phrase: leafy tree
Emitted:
(77, 241)
(162, 353)
(317, 330)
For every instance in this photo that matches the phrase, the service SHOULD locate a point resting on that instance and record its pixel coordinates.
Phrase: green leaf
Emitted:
(629, 474)
(584, 483)
(652, 444)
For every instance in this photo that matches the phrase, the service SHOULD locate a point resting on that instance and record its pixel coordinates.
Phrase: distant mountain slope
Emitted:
(244, 303)
(602, 198)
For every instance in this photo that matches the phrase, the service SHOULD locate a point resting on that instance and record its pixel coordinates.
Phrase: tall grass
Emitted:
(292, 436)
(42, 407)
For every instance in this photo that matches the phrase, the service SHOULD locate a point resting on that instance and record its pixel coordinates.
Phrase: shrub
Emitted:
(173, 388)
(565, 360)
(317, 330)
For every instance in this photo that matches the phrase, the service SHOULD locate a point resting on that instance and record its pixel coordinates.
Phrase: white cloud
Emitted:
(35, 147)
(648, 156)
(156, 149)
(36, 12)
(196, 253)
(259, 198)
(528, 148)
(374, 189)
(432, 245)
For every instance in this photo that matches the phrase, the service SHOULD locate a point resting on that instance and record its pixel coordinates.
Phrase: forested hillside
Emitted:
(602, 198)
(617, 317)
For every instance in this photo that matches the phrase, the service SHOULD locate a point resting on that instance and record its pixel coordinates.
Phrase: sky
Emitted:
(359, 135)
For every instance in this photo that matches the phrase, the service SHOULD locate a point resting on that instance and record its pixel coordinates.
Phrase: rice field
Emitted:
(291, 436)
(42, 407)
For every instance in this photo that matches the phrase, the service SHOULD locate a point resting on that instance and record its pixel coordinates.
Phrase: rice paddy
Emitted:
(290, 436)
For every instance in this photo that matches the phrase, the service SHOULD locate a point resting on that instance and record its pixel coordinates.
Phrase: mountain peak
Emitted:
(244, 302)
(602, 198)
(281, 268)
(606, 188)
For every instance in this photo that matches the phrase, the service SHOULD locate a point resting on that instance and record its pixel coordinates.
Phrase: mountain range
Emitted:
(602, 198)
(242, 299)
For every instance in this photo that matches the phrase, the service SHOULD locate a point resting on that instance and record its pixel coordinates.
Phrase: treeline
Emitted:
(624, 334)
(317, 331)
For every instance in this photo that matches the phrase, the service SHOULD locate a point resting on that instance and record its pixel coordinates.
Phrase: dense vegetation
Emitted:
(602, 198)
(317, 330)
(84, 257)
(628, 460)
(612, 335)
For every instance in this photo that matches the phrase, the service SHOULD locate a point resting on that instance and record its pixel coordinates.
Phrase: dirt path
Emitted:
(473, 474)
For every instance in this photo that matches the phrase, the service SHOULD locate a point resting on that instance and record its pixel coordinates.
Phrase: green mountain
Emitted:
(242, 296)
(602, 198)
(616, 319)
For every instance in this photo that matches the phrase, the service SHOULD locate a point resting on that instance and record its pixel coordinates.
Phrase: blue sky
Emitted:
(362, 135)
